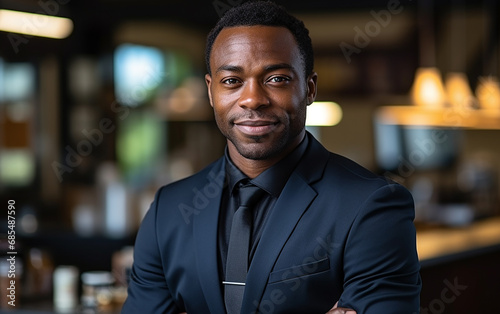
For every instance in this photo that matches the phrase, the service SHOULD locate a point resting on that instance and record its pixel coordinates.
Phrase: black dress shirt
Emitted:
(271, 181)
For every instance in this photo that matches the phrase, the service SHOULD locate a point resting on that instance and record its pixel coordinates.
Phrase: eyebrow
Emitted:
(268, 68)
(230, 68)
(279, 66)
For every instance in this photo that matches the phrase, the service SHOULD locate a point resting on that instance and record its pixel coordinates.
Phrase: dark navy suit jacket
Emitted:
(336, 233)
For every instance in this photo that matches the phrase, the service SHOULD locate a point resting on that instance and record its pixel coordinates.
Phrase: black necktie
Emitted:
(238, 248)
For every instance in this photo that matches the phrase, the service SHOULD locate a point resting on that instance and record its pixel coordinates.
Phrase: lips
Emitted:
(255, 127)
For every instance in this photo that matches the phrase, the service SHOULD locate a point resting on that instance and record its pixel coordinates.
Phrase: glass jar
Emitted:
(97, 290)
(65, 289)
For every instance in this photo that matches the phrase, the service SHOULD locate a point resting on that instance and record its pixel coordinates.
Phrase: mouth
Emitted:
(257, 127)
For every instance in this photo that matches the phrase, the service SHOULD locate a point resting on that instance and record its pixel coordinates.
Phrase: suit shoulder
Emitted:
(352, 166)
(213, 171)
(353, 185)
(349, 170)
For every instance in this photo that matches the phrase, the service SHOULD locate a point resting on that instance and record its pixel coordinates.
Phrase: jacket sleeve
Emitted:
(381, 267)
(148, 290)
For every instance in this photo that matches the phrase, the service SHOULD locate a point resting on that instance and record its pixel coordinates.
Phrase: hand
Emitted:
(340, 310)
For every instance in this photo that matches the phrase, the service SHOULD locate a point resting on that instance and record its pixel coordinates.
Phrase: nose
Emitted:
(253, 96)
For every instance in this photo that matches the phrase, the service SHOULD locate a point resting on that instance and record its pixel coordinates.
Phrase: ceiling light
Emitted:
(35, 24)
(428, 90)
(458, 91)
(323, 114)
(488, 94)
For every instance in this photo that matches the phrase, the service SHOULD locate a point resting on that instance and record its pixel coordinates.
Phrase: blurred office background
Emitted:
(112, 105)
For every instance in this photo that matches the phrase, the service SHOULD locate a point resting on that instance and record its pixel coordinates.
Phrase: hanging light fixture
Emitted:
(488, 94)
(449, 105)
(488, 88)
(428, 90)
(458, 91)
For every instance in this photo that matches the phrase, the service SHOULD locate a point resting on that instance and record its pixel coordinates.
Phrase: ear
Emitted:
(312, 87)
(208, 81)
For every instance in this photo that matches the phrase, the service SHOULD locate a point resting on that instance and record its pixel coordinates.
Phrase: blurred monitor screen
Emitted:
(403, 149)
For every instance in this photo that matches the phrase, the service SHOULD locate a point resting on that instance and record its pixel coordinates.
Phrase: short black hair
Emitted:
(265, 13)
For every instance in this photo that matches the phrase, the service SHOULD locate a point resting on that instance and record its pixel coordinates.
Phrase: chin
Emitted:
(259, 150)
(254, 153)
(262, 147)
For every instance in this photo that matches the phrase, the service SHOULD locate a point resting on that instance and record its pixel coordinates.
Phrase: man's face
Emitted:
(259, 91)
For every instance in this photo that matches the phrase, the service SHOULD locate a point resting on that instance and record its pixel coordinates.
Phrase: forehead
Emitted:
(247, 45)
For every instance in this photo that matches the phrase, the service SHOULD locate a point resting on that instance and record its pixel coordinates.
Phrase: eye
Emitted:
(278, 79)
(230, 81)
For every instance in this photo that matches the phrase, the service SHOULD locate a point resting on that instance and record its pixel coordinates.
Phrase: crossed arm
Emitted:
(334, 310)
(340, 310)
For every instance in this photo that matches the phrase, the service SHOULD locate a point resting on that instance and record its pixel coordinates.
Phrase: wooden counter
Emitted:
(435, 243)
(460, 268)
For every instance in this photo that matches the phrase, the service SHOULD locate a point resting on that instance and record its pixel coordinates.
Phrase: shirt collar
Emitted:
(271, 180)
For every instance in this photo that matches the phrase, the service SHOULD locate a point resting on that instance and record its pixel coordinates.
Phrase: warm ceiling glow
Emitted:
(458, 91)
(488, 93)
(428, 90)
(35, 24)
(323, 114)
(445, 117)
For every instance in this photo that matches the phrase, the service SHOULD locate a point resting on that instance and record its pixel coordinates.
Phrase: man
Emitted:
(326, 235)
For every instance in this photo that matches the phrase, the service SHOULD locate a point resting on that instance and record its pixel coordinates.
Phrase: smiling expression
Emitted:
(259, 91)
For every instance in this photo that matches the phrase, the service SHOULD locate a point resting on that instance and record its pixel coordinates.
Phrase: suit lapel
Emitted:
(282, 220)
(205, 236)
